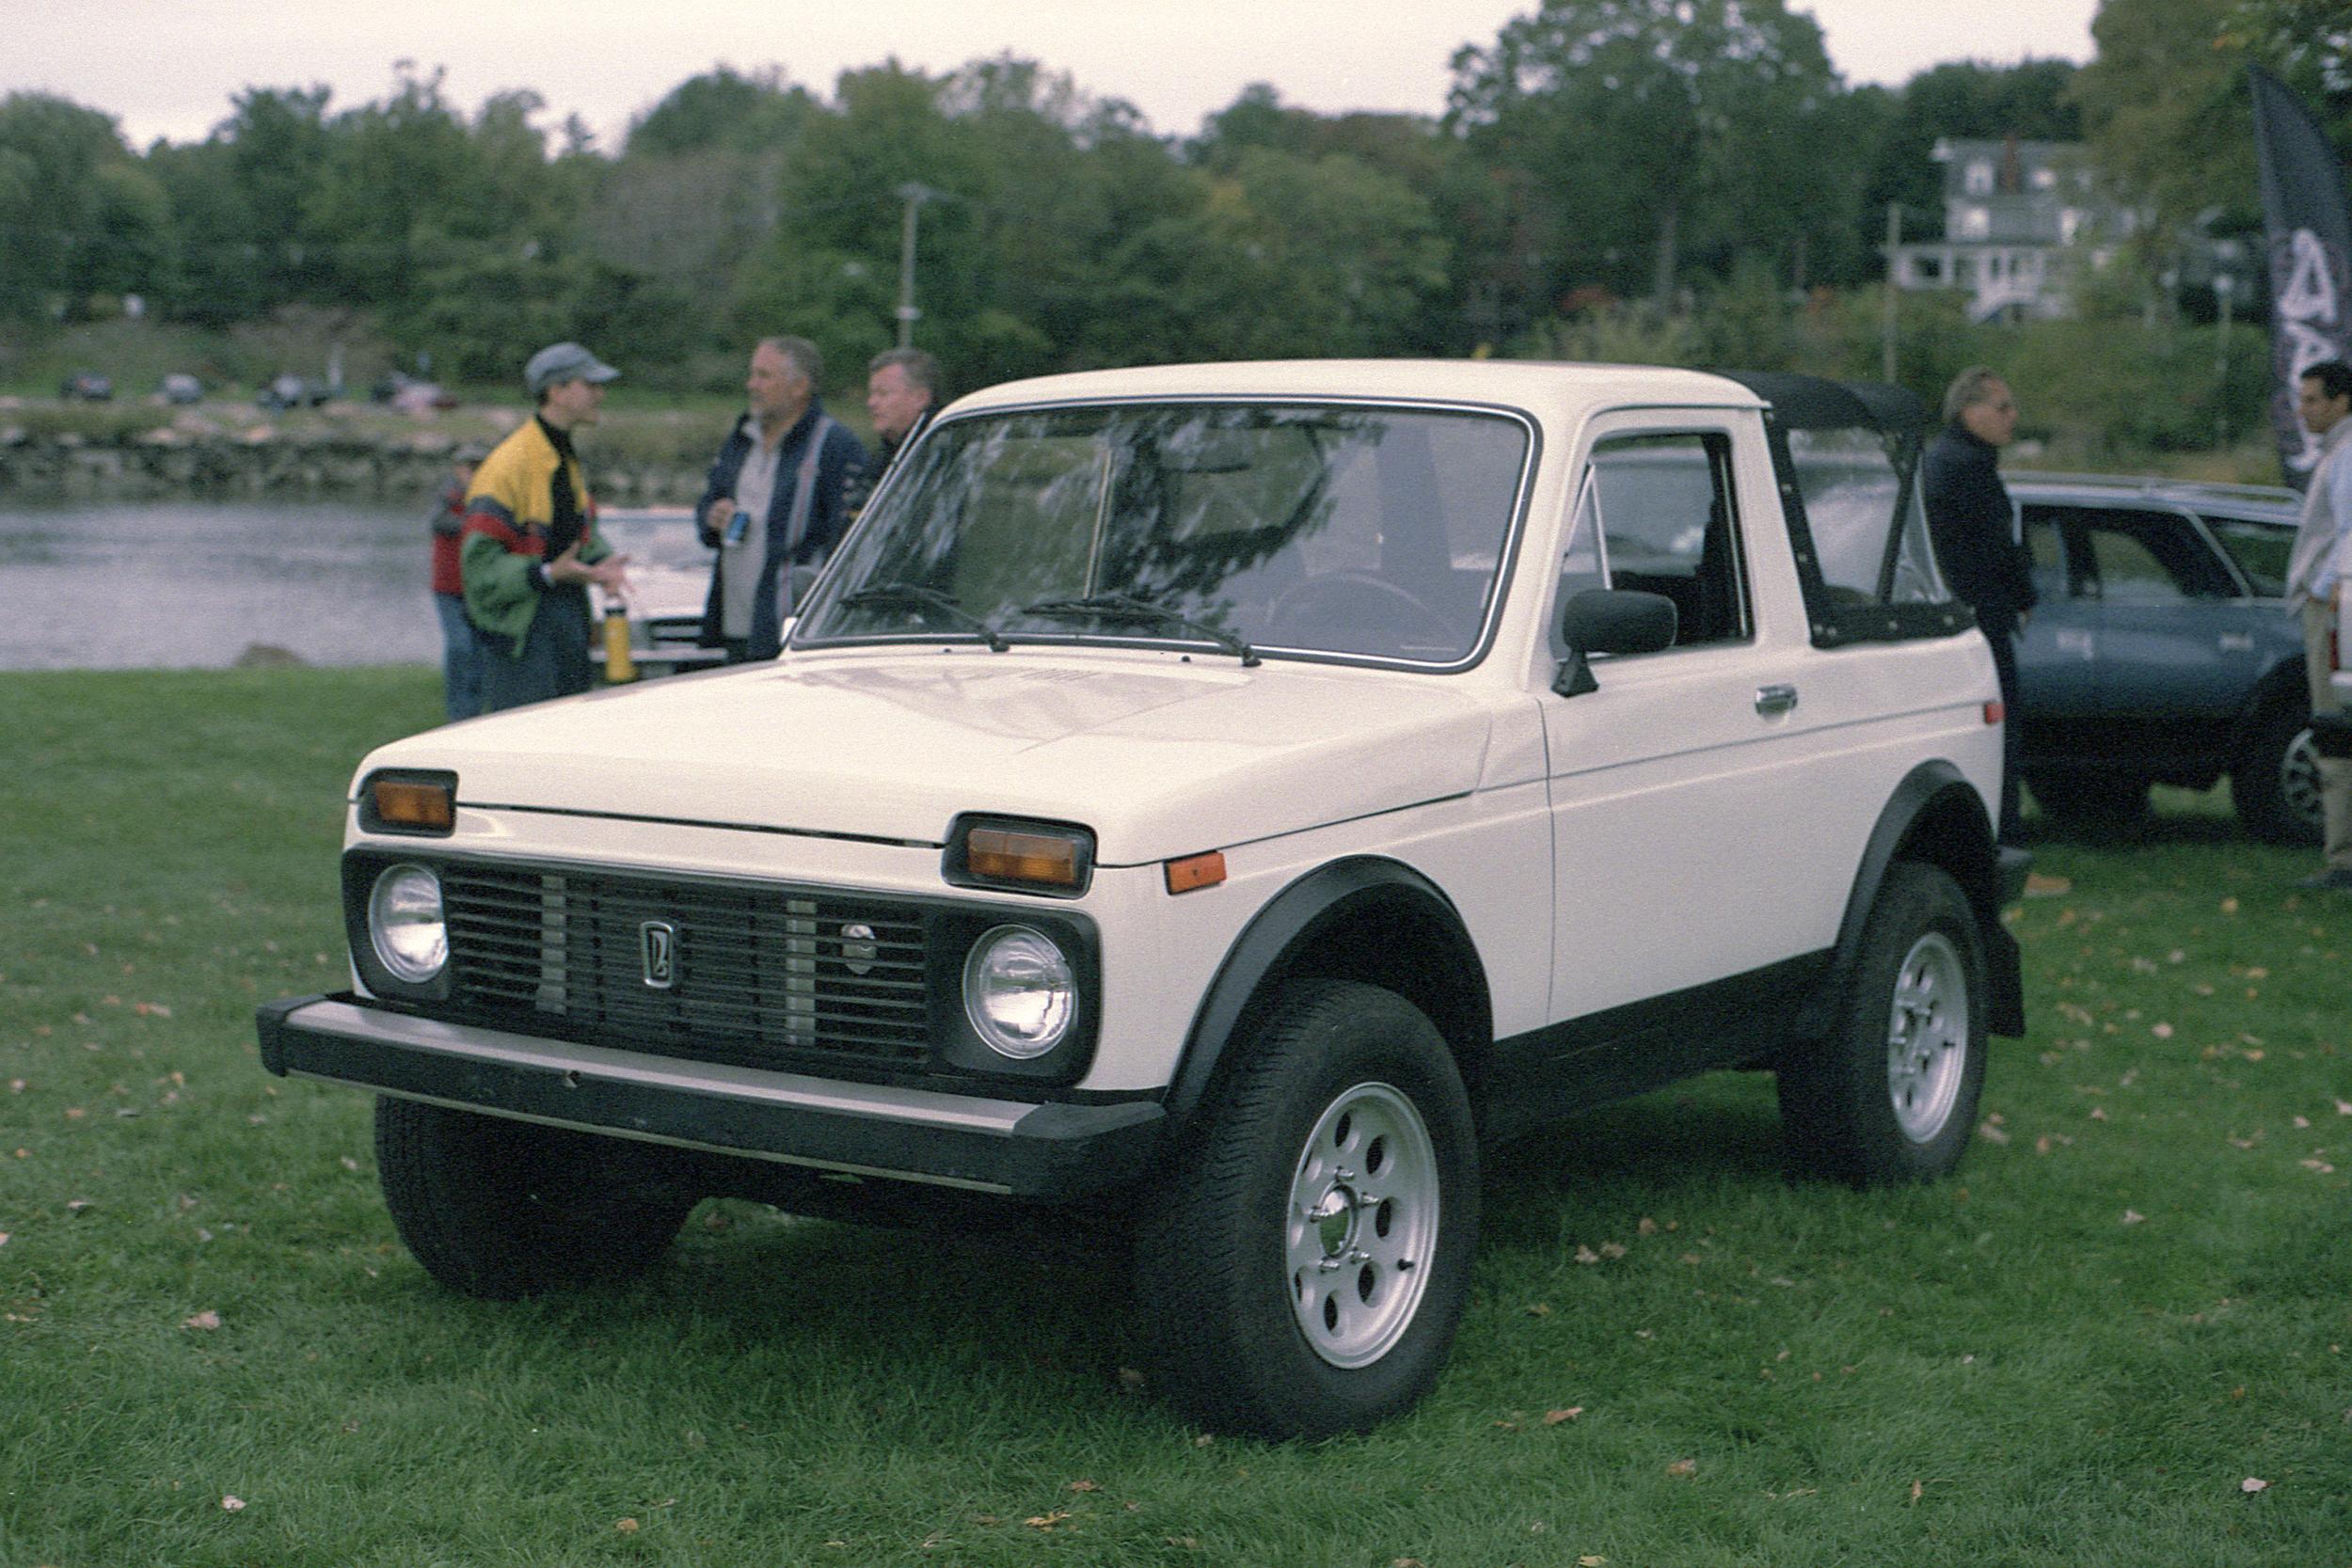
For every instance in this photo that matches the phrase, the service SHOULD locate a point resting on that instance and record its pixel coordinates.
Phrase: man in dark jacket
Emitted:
(901, 391)
(774, 505)
(1976, 539)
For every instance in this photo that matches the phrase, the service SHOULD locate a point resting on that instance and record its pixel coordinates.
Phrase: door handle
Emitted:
(1773, 700)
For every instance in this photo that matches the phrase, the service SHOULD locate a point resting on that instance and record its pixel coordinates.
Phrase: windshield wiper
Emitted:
(921, 597)
(1125, 607)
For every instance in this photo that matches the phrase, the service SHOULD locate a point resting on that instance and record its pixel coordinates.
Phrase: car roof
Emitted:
(1558, 390)
(2263, 502)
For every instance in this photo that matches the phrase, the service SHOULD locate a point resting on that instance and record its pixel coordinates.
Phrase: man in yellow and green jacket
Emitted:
(530, 548)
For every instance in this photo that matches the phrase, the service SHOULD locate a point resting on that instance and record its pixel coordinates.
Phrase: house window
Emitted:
(2044, 179)
(1977, 178)
(1975, 222)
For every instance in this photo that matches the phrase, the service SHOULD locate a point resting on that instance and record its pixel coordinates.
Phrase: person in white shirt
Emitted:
(2323, 554)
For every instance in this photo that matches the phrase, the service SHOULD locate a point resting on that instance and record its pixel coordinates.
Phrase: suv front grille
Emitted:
(755, 976)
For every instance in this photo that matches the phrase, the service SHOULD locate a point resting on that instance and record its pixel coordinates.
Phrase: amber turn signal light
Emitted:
(421, 807)
(1002, 855)
(1196, 871)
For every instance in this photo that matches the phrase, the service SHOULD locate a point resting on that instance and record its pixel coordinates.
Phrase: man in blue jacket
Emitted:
(774, 506)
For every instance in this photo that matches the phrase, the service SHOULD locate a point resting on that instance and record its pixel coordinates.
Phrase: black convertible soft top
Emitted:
(1900, 595)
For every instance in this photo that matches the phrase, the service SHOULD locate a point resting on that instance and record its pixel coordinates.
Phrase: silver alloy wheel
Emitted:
(1927, 1037)
(2298, 779)
(1363, 1225)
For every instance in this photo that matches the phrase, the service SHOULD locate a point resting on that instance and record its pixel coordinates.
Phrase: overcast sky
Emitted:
(167, 67)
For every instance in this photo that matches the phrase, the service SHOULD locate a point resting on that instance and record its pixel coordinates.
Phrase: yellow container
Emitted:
(619, 668)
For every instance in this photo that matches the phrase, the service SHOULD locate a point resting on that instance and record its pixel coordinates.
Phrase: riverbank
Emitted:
(133, 452)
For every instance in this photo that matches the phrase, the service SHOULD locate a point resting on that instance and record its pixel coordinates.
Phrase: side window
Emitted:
(1655, 513)
(2128, 570)
(1870, 535)
(2048, 552)
(2153, 558)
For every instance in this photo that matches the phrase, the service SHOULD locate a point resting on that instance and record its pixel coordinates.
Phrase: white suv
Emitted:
(1226, 797)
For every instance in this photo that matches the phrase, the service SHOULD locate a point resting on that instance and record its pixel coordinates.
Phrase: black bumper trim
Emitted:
(1052, 1150)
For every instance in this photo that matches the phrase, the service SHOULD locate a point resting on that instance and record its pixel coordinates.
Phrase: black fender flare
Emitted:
(1289, 922)
(1933, 804)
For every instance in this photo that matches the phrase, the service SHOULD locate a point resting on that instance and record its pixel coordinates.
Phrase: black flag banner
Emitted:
(2310, 238)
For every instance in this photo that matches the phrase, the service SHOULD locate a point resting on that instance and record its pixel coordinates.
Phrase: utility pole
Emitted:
(913, 195)
(1894, 238)
(2223, 286)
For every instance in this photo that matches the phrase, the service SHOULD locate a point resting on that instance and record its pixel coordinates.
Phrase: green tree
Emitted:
(79, 216)
(1637, 128)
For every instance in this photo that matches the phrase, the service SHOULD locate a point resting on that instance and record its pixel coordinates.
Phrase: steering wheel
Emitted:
(1355, 613)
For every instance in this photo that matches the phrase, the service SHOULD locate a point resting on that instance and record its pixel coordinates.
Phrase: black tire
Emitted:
(1303, 1269)
(1890, 1094)
(2090, 801)
(503, 1209)
(2275, 785)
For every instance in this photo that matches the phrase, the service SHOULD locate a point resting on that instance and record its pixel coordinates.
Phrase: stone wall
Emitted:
(165, 463)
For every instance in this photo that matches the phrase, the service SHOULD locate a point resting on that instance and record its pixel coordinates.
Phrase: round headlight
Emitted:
(405, 922)
(1019, 992)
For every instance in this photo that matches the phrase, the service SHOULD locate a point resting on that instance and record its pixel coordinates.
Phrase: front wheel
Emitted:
(503, 1209)
(1889, 1094)
(1304, 1268)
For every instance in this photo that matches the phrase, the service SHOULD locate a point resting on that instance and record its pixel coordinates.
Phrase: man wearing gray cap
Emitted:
(530, 547)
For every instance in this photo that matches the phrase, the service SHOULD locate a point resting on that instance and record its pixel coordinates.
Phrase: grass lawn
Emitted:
(2120, 1337)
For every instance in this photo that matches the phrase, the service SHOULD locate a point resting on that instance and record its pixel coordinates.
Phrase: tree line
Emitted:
(1596, 155)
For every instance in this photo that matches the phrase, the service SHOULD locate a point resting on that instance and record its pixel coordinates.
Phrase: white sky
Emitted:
(167, 67)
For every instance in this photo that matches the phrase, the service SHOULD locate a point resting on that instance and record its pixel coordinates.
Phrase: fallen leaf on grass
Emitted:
(627, 1527)
(1683, 1467)
(1046, 1521)
(2252, 1485)
(2343, 1107)
(1539, 1310)
(1918, 1489)
(151, 1009)
(1086, 1486)
(2040, 886)
(2133, 1217)
(1553, 1418)
(1586, 1254)
(1592, 1562)
(1992, 1135)
(2321, 1166)
(206, 1318)
(233, 1505)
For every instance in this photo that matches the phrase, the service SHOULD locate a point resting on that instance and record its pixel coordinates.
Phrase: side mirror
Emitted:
(1609, 620)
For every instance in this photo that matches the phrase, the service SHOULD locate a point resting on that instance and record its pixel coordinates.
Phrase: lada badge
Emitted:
(657, 945)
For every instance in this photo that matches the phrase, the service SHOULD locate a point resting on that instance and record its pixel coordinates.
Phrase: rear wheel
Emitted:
(1889, 1094)
(503, 1209)
(2275, 786)
(1304, 1268)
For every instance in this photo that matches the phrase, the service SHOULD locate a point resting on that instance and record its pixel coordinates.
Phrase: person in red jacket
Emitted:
(461, 652)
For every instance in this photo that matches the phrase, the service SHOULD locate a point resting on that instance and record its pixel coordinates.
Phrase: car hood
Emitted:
(1159, 757)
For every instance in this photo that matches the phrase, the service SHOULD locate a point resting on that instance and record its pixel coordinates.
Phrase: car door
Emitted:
(2175, 652)
(1682, 795)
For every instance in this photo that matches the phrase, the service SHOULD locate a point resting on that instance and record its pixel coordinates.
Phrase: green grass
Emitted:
(2074, 1353)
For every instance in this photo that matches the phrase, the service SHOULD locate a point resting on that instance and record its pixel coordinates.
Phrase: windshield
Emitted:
(1252, 528)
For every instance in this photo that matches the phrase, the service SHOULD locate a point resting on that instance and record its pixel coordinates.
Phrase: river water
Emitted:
(194, 584)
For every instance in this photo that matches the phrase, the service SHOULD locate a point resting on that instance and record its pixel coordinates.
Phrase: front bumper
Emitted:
(996, 1145)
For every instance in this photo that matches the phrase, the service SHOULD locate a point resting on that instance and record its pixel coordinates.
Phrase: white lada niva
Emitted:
(1233, 798)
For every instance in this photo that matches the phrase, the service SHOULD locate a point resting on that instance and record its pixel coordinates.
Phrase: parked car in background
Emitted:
(2161, 652)
(86, 387)
(669, 573)
(293, 391)
(180, 387)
